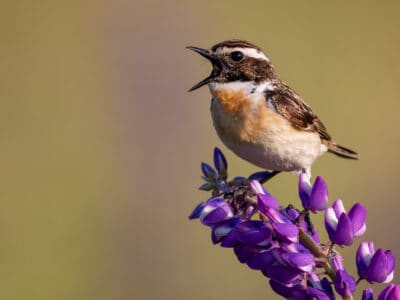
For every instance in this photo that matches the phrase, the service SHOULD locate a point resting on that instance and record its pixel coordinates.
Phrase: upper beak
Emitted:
(216, 66)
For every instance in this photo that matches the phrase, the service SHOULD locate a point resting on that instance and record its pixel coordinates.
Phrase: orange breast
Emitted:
(245, 117)
(234, 103)
(242, 117)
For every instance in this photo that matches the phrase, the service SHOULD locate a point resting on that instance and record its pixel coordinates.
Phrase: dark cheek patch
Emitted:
(249, 69)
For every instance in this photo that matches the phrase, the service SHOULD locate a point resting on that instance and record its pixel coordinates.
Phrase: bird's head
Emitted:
(235, 60)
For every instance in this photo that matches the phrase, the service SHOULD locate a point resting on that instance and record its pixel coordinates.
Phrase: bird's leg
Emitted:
(268, 176)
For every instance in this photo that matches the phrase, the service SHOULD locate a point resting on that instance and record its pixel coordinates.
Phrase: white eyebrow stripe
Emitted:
(250, 52)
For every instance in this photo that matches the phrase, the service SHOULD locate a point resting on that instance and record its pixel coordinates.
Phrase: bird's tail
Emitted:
(342, 151)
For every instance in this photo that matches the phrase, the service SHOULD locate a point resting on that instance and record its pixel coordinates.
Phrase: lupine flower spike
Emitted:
(283, 243)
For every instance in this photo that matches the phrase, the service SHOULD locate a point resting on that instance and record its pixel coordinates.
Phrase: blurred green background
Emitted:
(100, 144)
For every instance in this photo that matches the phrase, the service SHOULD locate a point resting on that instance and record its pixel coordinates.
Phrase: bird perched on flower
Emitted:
(258, 116)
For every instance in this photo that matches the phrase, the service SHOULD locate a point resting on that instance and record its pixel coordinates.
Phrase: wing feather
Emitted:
(289, 105)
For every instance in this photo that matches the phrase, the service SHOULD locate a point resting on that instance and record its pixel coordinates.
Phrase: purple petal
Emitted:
(197, 211)
(293, 247)
(245, 252)
(390, 265)
(223, 229)
(371, 248)
(295, 292)
(260, 261)
(386, 293)
(287, 232)
(254, 233)
(291, 213)
(319, 195)
(266, 201)
(305, 189)
(395, 293)
(313, 293)
(282, 274)
(216, 210)
(358, 216)
(344, 231)
(338, 207)
(327, 287)
(345, 284)
(231, 239)
(377, 270)
(257, 188)
(368, 294)
(280, 289)
(331, 222)
(337, 262)
(315, 236)
(301, 261)
(220, 161)
(314, 280)
(363, 257)
(275, 216)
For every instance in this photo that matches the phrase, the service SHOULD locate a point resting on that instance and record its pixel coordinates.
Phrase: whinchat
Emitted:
(258, 116)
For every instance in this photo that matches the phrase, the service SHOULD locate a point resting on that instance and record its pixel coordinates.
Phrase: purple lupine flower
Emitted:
(197, 210)
(286, 232)
(368, 294)
(322, 285)
(245, 252)
(257, 188)
(261, 260)
(283, 243)
(266, 200)
(299, 292)
(213, 211)
(222, 229)
(268, 205)
(284, 274)
(253, 232)
(286, 265)
(391, 292)
(294, 216)
(302, 261)
(342, 227)
(336, 261)
(376, 267)
(313, 197)
(345, 284)
(283, 264)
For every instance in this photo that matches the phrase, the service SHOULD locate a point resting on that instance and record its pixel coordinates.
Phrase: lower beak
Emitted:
(216, 66)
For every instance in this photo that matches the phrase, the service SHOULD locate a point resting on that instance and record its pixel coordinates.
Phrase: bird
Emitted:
(258, 116)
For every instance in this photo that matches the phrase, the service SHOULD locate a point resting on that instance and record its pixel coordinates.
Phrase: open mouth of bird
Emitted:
(216, 64)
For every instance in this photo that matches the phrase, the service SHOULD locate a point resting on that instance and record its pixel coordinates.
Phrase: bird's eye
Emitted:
(237, 56)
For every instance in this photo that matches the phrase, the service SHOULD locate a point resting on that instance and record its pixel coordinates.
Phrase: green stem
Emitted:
(316, 250)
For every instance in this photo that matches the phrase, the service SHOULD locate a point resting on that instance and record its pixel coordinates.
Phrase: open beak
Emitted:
(216, 66)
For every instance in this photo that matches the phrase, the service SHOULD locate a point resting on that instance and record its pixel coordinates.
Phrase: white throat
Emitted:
(248, 87)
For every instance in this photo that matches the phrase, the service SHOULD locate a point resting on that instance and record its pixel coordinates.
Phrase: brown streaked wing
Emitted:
(289, 105)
